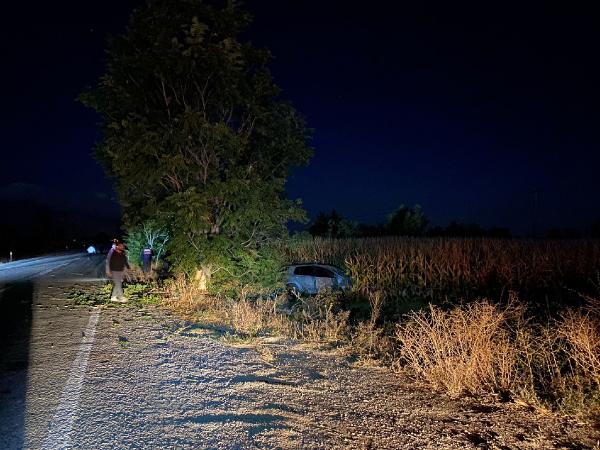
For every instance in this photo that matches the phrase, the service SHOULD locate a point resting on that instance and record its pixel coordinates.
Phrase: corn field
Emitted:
(413, 270)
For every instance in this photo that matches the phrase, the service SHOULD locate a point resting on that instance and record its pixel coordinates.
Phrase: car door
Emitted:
(305, 278)
(324, 278)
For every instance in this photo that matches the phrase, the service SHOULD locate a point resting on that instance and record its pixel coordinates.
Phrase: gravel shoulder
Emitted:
(157, 382)
(153, 381)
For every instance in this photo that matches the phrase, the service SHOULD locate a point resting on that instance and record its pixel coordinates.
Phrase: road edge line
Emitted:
(61, 426)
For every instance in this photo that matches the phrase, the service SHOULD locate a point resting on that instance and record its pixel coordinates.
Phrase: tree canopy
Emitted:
(332, 225)
(195, 133)
(406, 221)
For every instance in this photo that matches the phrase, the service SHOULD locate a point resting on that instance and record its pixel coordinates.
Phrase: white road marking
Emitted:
(61, 426)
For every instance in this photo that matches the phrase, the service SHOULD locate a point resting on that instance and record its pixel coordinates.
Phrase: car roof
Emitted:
(327, 266)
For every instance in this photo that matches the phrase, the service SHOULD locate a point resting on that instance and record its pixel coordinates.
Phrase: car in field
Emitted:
(307, 278)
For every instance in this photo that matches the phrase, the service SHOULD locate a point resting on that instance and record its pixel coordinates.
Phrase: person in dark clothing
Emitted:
(146, 259)
(116, 263)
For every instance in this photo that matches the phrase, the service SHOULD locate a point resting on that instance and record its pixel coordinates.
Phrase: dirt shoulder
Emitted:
(157, 382)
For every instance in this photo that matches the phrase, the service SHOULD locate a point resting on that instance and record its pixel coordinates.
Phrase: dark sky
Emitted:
(465, 110)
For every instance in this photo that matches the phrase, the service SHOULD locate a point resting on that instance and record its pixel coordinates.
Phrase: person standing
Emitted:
(146, 259)
(116, 263)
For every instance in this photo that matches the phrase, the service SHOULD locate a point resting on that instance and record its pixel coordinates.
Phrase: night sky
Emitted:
(466, 111)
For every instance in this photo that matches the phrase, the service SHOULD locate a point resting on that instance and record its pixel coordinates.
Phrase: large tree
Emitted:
(195, 134)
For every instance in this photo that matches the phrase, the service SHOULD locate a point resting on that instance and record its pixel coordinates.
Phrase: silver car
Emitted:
(312, 278)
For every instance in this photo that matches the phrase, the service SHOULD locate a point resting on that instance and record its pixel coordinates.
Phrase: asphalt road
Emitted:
(67, 267)
(39, 338)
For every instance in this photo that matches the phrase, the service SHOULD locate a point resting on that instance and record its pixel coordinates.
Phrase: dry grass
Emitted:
(255, 318)
(328, 327)
(136, 275)
(484, 348)
(243, 316)
(370, 341)
(313, 319)
(465, 350)
(577, 380)
(581, 332)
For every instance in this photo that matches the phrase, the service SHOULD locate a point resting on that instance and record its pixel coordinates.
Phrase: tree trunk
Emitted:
(202, 278)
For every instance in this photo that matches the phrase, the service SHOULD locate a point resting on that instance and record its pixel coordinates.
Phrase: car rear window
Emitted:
(314, 271)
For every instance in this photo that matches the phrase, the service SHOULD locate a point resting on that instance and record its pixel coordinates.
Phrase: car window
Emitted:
(304, 270)
(323, 272)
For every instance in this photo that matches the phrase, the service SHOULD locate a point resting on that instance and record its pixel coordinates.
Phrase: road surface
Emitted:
(37, 335)
(74, 267)
(127, 378)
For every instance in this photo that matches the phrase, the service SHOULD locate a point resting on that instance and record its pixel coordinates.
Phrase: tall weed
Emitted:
(486, 348)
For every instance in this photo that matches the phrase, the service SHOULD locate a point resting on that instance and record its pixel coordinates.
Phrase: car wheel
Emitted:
(292, 292)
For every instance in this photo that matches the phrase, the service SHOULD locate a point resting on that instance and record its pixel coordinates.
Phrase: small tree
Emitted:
(147, 235)
(156, 238)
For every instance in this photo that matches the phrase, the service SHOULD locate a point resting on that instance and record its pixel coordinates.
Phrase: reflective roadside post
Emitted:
(10, 256)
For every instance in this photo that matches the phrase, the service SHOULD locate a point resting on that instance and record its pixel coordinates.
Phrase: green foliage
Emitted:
(194, 135)
(146, 235)
(142, 293)
(407, 221)
(135, 244)
(93, 296)
(136, 293)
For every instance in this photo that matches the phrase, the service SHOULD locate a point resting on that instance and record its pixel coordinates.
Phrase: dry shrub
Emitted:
(561, 363)
(317, 319)
(577, 380)
(581, 331)
(484, 348)
(246, 317)
(254, 318)
(368, 340)
(371, 343)
(135, 274)
(465, 350)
